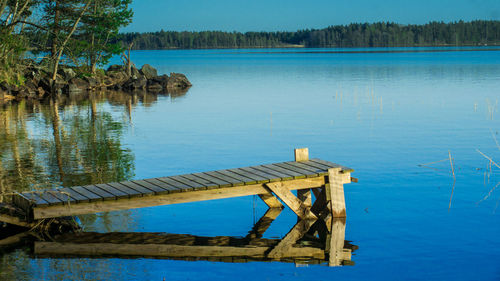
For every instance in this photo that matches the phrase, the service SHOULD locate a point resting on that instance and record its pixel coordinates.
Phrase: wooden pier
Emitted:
(273, 183)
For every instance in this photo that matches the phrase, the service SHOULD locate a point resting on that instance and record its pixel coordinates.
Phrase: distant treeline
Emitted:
(381, 34)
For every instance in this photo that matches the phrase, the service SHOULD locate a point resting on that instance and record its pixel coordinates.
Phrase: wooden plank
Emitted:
(170, 188)
(139, 188)
(336, 243)
(63, 196)
(233, 181)
(215, 180)
(305, 173)
(301, 154)
(192, 184)
(90, 195)
(206, 183)
(271, 201)
(15, 221)
(172, 198)
(271, 168)
(183, 187)
(333, 165)
(50, 198)
(305, 196)
(105, 195)
(335, 190)
(74, 195)
(316, 165)
(32, 197)
(156, 188)
(314, 170)
(286, 244)
(116, 192)
(238, 177)
(269, 177)
(130, 191)
(254, 177)
(297, 206)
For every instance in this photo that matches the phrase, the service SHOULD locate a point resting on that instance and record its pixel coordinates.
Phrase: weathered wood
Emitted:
(297, 206)
(254, 177)
(74, 195)
(233, 181)
(335, 190)
(14, 220)
(139, 188)
(120, 188)
(34, 198)
(90, 195)
(219, 182)
(275, 172)
(269, 177)
(170, 188)
(206, 183)
(183, 187)
(238, 177)
(116, 193)
(335, 244)
(305, 196)
(171, 251)
(301, 154)
(192, 184)
(286, 244)
(286, 172)
(173, 198)
(312, 170)
(102, 193)
(297, 169)
(271, 201)
(153, 187)
(264, 223)
(333, 165)
(49, 197)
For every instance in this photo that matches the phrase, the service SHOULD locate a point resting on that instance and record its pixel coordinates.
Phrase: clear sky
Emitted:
(290, 15)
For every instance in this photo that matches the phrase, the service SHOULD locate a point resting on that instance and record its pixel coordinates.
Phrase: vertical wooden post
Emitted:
(335, 244)
(335, 192)
(301, 154)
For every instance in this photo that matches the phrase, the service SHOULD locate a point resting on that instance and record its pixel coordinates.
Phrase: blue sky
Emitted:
(289, 15)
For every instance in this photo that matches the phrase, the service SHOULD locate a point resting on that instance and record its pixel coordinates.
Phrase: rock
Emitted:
(162, 80)
(148, 71)
(136, 84)
(76, 85)
(178, 80)
(91, 81)
(155, 87)
(115, 68)
(67, 73)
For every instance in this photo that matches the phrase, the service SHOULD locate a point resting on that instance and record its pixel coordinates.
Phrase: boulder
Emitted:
(116, 67)
(178, 80)
(67, 73)
(136, 84)
(76, 85)
(148, 71)
(155, 87)
(162, 80)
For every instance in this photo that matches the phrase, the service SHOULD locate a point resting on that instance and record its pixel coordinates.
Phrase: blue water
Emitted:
(382, 114)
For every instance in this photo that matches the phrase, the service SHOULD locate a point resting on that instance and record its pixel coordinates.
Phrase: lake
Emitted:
(395, 117)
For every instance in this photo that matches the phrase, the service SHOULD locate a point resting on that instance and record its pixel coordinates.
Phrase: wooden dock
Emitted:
(273, 183)
(304, 244)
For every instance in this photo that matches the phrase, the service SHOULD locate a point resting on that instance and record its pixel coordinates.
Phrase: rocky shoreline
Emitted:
(37, 83)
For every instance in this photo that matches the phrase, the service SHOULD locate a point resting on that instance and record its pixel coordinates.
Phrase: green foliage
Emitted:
(381, 34)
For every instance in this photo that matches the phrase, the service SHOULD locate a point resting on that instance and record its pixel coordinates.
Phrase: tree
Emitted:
(101, 25)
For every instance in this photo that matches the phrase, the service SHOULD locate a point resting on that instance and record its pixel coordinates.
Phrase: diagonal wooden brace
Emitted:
(271, 201)
(298, 207)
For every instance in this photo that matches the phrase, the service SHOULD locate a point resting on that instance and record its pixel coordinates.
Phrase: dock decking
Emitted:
(270, 181)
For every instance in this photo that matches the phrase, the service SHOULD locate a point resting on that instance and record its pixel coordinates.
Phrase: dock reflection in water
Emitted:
(308, 242)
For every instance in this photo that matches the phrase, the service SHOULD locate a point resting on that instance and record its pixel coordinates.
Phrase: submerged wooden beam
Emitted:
(53, 211)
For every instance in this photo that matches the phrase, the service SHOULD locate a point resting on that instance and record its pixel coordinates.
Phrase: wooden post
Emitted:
(335, 192)
(301, 154)
(335, 244)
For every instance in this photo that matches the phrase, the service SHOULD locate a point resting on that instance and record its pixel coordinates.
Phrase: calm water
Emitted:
(382, 114)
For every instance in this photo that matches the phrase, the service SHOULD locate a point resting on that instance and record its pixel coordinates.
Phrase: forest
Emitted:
(380, 34)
